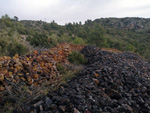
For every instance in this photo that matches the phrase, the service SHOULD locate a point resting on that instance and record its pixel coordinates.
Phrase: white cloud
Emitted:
(64, 11)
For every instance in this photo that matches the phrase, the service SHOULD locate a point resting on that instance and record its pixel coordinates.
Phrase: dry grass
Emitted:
(111, 50)
(72, 71)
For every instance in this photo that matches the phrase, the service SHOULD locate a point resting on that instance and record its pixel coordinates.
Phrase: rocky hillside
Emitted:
(131, 31)
(137, 24)
(110, 83)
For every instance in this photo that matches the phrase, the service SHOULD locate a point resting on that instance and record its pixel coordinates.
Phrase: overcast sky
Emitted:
(64, 11)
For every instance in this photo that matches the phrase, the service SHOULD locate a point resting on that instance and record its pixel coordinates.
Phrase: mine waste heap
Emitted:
(111, 82)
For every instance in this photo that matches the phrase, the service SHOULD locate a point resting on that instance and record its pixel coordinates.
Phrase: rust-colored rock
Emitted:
(96, 81)
(1, 77)
(2, 88)
(96, 75)
(35, 68)
(35, 76)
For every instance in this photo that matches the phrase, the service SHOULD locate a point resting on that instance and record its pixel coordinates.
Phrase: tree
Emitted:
(16, 18)
(88, 22)
(54, 25)
(80, 23)
(96, 36)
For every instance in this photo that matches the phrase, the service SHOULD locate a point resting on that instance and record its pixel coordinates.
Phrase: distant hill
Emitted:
(125, 34)
(136, 24)
(134, 31)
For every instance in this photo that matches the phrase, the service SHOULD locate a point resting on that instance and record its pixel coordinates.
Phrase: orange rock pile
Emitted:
(34, 68)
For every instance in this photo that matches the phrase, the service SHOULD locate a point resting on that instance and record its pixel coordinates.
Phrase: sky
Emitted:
(65, 11)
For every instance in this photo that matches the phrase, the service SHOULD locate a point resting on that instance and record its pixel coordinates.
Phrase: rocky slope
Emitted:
(137, 24)
(111, 83)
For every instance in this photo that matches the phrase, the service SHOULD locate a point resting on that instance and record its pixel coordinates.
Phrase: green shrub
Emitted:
(16, 49)
(78, 40)
(3, 44)
(76, 58)
(42, 40)
(61, 68)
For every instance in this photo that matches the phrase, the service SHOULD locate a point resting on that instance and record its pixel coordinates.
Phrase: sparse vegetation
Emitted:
(62, 69)
(108, 33)
(76, 58)
(72, 71)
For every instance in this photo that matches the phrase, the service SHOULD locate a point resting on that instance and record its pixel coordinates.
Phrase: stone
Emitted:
(76, 111)
(62, 109)
(2, 88)
(61, 90)
(38, 103)
(1, 77)
(96, 81)
(48, 101)
(87, 111)
(126, 108)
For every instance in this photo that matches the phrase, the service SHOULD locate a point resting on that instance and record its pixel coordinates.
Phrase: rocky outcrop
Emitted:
(129, 23)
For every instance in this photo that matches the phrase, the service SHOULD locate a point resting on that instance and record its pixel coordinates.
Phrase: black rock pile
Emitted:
(111, 83)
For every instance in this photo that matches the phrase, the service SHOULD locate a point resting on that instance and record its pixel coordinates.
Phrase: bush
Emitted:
(17, 49)
(42, 40)
(78, 40)
(61, 68)
(3, 45)
(76, 58)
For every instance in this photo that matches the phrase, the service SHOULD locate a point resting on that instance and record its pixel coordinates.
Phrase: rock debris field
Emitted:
(35, 68)
(110, 83)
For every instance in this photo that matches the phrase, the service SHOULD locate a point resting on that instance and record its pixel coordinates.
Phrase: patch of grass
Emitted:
(8, 108)
(77, 58)
(71, 72)
(62, 69)
(68, 71)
